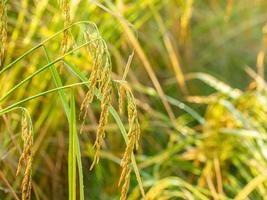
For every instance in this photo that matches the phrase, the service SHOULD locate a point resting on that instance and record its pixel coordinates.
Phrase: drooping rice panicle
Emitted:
(105, 89)
(105, 102)
(95, 50)
(133, 136)
(100, 79)
(125, 186)
(26, 157)
(90, 93)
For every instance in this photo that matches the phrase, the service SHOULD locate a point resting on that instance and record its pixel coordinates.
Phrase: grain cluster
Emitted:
(133, 137)
(99, 83)
(26, 157)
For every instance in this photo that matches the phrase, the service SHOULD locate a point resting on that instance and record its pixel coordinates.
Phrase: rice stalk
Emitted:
(121, 99)
(202, 99)
(65, 9)
(261, 53)
(121, 90)
(172, 53)
(26, 157)
(3, 31)
(254, 183)
(3, 178)
(185, 19)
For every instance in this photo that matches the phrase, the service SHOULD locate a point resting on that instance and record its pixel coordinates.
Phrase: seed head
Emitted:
(133, 137)
(105, 102)
(26, 157)
(100, 80)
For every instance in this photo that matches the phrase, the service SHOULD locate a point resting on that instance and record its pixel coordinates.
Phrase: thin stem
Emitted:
(15, 105)
(42, 69)
(42, 43)
(128, 66)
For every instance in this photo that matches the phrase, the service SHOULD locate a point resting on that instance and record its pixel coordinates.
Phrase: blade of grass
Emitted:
(243, 194)
(72, 150)
(42, 69)
(152, 92)
(215, 83)
(80, 167)
(7, 109)
(58, 83)
(41, 44)
(173, 55)
(2, 176)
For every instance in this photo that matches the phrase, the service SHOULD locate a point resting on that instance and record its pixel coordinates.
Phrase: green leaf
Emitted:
(73, 137)
(72, 150)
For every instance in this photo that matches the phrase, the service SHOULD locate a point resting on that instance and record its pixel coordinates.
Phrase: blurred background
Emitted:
(198, 79)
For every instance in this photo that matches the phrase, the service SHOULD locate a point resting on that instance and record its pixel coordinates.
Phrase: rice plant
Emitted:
(133, 100)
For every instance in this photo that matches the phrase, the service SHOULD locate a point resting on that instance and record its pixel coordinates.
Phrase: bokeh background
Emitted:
(200, 149)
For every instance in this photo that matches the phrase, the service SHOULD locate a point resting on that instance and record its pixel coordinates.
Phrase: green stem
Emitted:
(42, 69)
(42, 43)
(68, 113)
(12, 107)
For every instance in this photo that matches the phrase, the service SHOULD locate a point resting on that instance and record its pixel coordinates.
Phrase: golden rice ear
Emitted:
(99, 79)
(133, 137)
(66, 39)
(133, 118)
(106, 92)
(95, 50)
(26, 157)
(125, 186)
(94, 77)
(105, 103)
(3, 31)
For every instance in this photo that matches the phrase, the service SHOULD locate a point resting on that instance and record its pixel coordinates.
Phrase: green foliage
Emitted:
(202, 112)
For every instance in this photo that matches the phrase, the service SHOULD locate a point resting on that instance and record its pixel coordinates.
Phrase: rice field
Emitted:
(133, 100)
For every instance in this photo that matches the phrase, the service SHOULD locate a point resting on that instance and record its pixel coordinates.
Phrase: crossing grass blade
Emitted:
(71, 116)
(72, 150)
